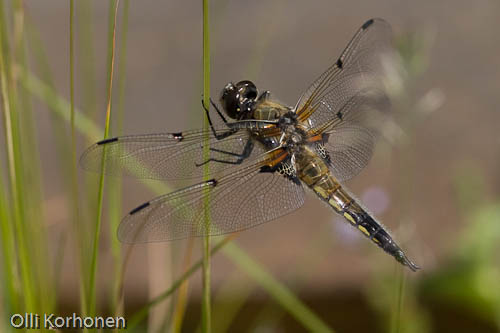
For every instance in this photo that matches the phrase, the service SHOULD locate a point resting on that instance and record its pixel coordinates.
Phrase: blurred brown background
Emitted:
(448, 114)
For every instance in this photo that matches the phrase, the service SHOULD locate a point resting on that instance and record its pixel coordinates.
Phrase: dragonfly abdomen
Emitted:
(318, 177)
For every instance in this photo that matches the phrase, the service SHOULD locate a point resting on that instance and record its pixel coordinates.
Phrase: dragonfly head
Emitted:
(238, 100)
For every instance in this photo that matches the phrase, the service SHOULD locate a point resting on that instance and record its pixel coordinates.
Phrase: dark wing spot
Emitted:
(339, 115)
(267, 168)
(107, 141)
(178, 136)
(340, 63)
(212, 182)
(367, 24)
(284, 169)
(141, 207)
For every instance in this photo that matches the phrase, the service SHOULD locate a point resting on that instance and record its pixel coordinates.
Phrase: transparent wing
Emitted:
(350, 141)
(239, 200)
(348, 102)
(359, 68)
(168, 156)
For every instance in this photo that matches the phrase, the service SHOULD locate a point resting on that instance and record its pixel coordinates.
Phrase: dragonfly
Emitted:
(261, 160)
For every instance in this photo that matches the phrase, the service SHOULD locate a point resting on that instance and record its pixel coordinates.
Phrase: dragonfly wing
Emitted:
(238, 200)
(167, 156)
(348, 103)
(350, 141)
(361, 67)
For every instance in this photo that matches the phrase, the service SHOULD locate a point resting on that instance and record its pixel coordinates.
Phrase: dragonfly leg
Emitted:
(218, 111)
(247, 150)
(264, 96)
(219, 136)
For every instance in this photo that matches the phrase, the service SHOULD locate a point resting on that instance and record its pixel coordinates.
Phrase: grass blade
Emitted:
(14, 163)
(180, 308)
(206, 307)
(93, 265)
(59, 105)
(141, 314)
(397, 320)
(30, 173)
(11, 301)
(87, 65)
(277, 290)
(115, 188)
(230, 299)
(74, 162)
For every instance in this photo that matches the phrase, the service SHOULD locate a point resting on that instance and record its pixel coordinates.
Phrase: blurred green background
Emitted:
(434, 180)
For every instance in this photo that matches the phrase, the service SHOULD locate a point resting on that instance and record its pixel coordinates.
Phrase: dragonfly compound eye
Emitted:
(247, 94)
(229, 100)
(247, 89)
(238, 100)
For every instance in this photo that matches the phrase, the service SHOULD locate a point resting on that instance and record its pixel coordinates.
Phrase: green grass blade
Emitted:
(229, 299)
(115, 185)
(206, 306)
(34, 230)
(87, 64)
(268, 318)
(141, 314)
(277, 290)
(74, 162)
(11, 132)
(59, 105)
(9, 292)
(93, 266)
(72, 106)
(396, 326)
(181, 301)
(59, 127)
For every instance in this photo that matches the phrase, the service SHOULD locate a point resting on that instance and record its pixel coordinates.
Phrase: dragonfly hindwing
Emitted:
(286, 169)
(322, 152)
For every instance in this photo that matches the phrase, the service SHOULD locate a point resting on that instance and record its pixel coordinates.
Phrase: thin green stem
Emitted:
(72, 102)
(115, 193)
(87, 64)
(280, 292)
(34, 228)
(9, 266)
(14, 164)
(231, 297)
(206, 306)
(6, 225)
(59, 105)
(180, 307)
(141, 314)
(399, 302)
(74, 163)
(93, 265)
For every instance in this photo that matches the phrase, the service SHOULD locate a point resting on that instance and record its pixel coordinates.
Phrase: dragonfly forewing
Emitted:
(246, 197)
(169, 156)
(360, 67)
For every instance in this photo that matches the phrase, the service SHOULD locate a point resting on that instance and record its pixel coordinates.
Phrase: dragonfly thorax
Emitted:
(292, 136)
